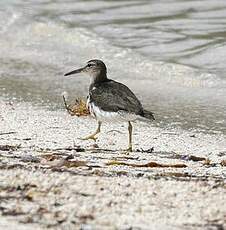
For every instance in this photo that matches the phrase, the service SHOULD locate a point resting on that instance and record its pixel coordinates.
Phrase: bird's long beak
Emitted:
(75, 71)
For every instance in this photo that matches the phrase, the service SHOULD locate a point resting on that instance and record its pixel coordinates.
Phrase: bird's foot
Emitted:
(128, 151)
(90, 137)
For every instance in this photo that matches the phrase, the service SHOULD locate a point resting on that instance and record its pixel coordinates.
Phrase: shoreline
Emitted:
(103, 187)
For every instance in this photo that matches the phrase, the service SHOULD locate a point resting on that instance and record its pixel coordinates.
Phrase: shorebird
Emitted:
(109, 100)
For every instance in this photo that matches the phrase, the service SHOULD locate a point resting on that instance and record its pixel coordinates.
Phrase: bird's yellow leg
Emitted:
(93, 136)
(130, 128)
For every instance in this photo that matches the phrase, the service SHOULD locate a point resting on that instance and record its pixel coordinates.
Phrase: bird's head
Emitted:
(95, 68)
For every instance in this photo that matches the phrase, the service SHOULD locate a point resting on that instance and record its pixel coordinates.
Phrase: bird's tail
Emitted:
(147, 116)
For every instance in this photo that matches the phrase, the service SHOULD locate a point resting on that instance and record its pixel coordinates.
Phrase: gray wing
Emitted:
(114, 96)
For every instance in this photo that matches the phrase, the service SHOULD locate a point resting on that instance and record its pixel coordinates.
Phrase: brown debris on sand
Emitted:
(151, 164)
(49, 179)
(76, 109)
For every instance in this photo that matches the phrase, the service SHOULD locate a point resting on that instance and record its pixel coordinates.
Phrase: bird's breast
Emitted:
(107, 116)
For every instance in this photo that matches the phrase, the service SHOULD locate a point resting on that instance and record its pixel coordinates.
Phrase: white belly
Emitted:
(105, 116)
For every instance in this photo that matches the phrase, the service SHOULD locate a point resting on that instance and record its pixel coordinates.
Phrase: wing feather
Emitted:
(114, 96)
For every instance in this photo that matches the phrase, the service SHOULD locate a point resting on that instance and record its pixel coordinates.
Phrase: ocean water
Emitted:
(171, 53)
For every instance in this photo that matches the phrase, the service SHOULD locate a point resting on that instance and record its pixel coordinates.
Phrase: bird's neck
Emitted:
(98, 77)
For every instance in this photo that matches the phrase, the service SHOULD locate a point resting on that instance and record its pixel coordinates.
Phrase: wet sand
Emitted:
(174, 179)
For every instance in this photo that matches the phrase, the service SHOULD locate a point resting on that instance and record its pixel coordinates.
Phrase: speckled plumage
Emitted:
(113, 96)
(109, 100)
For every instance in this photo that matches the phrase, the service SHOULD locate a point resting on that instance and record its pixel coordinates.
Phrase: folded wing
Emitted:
(113, 96)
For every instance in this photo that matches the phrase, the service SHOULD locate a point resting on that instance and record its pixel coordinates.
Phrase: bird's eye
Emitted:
(89, 65)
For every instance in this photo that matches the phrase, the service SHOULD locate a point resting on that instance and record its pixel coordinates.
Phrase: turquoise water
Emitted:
(171, 53)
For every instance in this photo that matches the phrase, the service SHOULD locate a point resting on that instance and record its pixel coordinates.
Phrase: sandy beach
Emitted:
(172, 56)
(49, 179)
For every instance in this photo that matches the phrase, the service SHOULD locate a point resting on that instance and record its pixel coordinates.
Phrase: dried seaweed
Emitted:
(76, 148)
(85, 218)
(223, 163)
(56, 161)
(221, 154)
(13, 212)
(149, 164)
(7, 133)
(12, 166)
(151, 150)
(125, 158)
(207, 162)
(9, 147)
(184, 157)
(77, 109)
(174, 174)
(192, 158)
